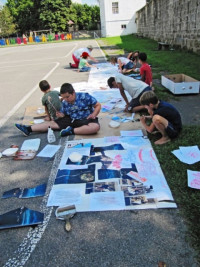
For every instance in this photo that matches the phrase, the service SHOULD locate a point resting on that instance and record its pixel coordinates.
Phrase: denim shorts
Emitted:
(129, 65)
(135, 102)
(84, 69)
(171, 131)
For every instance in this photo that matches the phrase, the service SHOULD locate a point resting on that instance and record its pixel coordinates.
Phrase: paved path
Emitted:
(121, 238)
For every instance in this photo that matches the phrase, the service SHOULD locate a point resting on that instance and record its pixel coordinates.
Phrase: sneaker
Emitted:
(23, 129)
(67, 131)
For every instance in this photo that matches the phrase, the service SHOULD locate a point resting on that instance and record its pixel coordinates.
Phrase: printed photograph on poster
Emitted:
(104, 160)
(75, 176)
(100, 187)
(136, 190)
(139, 200)
(125, 171)
(107, 174)
(105, 148)
(130, 182)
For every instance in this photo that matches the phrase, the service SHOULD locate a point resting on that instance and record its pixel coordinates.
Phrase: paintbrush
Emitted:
(49, 99)
(66, 213)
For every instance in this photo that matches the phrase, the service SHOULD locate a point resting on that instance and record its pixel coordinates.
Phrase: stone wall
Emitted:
(176, 22)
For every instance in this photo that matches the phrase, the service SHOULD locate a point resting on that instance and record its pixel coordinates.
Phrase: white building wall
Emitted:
(111, 24)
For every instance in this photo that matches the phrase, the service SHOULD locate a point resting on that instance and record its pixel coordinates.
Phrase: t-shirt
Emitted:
(81, 108)
(146, 70)
(124, 60)
(79, 52)
(82, 63)
(132, 86)
(170, 113)
(50, 100)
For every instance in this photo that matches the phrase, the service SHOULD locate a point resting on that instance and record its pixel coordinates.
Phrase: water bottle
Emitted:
(51, 136)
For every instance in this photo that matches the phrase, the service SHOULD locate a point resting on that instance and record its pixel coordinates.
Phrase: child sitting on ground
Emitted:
(134, 57)
(50, 100)
(84, 66)
(165, 117)
(145, 69)
(125, 64)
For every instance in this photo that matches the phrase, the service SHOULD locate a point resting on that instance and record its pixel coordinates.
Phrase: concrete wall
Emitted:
(173, 21)
(111, 24)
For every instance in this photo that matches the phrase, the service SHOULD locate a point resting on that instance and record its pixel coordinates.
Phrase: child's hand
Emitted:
(59, 114)
(47, 118)
(143, 119)
(91, 116)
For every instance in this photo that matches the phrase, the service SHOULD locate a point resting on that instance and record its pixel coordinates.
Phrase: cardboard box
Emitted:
(180, 84)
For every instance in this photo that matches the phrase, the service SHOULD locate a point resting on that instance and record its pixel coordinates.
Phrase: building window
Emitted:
(123, 26)
(115, 7)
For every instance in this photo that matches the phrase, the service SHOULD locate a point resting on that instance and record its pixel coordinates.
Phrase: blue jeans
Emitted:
(85, 69)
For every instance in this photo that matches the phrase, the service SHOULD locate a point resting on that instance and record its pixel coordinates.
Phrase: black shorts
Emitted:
(171, 131)
(135, 102)
(67, 121)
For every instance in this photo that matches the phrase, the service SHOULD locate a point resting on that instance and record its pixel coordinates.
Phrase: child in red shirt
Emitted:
(145, 69)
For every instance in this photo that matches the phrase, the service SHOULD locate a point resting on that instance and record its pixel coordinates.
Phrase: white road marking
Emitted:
(71, 50)
(17, 106)
(27, 246)
(101, 51)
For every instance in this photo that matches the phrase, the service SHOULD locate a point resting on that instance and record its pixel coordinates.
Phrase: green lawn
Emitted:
(174, 62)
(170, 62)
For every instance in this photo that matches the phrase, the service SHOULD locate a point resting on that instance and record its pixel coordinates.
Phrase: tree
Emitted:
(6, 22)
(87, 16)
(55, 14)
(25, 14)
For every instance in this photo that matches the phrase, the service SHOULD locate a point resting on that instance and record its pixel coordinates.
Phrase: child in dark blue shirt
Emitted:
(165, 117)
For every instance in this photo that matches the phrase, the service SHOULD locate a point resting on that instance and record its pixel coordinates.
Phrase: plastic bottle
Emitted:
(51, 136)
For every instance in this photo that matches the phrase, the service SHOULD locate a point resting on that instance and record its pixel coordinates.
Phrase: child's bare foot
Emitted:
(162, 141)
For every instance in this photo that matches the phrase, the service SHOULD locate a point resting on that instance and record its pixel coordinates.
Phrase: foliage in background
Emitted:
(87, 17)
(6, 22)
(52, 14)
(25, 13)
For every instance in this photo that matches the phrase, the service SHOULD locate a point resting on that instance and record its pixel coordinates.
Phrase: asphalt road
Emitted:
(121, 238)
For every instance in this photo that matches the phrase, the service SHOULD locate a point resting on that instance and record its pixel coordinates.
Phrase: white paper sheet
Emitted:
(37, 121)
(188, 155)
(49, 151)
(84, 151)
(64, 197)
(112, 139)
(193, 179)
(31, 144)
(107, 201)
(138, 133)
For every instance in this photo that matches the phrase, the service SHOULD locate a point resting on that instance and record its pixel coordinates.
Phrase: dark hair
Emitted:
(113, 60)
(67, 88)
(44, 85)
(143, 56)
(110, 81)
(148, 98)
